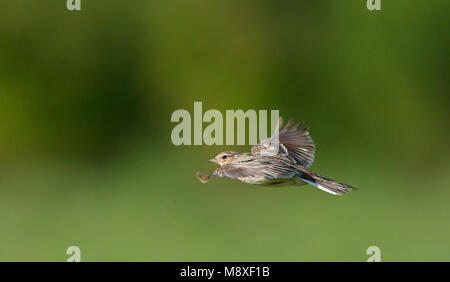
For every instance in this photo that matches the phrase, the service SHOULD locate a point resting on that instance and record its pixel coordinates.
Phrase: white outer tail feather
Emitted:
(320, 187)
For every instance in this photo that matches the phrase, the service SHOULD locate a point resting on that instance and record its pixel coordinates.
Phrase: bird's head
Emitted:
(224, 157)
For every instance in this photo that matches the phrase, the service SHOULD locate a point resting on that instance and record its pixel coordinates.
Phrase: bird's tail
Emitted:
(326, 184)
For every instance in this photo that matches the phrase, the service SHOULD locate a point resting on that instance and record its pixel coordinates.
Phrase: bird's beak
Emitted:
(212, 160)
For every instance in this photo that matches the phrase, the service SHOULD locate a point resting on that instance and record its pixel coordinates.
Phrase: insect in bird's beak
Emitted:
(212, 160)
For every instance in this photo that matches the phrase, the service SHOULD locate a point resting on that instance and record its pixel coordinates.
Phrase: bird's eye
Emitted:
(224, 157)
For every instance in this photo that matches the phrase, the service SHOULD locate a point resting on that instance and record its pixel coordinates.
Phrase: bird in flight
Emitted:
(282, 159)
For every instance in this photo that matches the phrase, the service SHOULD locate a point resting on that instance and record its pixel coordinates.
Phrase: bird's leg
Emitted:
(203, 177)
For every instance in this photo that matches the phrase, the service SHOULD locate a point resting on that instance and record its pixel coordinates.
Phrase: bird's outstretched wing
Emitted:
(293, 141)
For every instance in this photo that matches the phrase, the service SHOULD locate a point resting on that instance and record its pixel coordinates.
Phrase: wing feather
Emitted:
(292, 141)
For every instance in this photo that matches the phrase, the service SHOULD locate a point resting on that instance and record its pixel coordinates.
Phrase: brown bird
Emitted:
(282, 159)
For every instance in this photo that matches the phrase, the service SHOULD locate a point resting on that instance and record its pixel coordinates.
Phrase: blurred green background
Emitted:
(86, 157)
